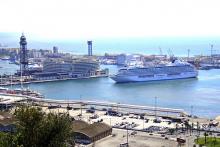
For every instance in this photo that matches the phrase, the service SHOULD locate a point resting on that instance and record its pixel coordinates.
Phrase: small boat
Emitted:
(5, 58)
(23, 92)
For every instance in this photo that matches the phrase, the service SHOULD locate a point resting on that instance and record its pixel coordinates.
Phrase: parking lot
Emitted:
(144, 131)
(139, 139)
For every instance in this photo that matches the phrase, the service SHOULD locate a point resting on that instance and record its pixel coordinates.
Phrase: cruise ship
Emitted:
(170, 71)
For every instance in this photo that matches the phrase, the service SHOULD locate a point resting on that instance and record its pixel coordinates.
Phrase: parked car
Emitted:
(133, 133)
(146, 120)
(90, 111)
(69, 108)
(123, 118)
(124, 145)
(157, 121)
(104, 109)
(54, 106)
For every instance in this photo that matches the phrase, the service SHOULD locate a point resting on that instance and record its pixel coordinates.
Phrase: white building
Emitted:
(121, 59)
(79, 67)
(129, 59)
(35, 53)
(55, 50)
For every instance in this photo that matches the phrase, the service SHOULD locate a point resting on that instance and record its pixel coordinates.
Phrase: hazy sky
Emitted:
(110, 18)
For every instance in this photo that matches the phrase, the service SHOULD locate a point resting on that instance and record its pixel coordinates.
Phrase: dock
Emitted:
(7, 99)
(8, 82)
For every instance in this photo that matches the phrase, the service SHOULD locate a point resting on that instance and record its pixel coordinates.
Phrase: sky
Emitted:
(88, 19)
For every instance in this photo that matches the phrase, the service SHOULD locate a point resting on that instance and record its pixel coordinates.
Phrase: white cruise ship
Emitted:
(170, 71)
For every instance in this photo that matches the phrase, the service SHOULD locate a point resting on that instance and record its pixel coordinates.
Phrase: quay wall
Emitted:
(52, 80)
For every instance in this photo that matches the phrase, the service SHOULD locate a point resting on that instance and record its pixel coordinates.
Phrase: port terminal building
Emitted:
(54, 68)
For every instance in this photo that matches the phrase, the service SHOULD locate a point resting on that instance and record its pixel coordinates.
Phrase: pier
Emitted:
(7, 99)
(28, 80)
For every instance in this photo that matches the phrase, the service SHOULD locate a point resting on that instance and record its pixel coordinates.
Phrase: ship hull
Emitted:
(159, 77)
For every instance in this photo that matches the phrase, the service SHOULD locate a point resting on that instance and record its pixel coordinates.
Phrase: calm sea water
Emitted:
(202, 93)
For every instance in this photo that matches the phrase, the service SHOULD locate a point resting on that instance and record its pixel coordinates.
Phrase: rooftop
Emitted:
(90, 130)
(6, 118)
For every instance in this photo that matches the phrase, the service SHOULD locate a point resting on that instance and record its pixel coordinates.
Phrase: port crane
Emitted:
(161, 52)
(170, 53)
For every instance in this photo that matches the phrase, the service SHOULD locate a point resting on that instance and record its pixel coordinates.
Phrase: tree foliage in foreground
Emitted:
(35, 128)
(208, 141)
(8, 140)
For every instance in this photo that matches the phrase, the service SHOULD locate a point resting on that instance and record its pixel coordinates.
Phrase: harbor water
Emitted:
(199, 96)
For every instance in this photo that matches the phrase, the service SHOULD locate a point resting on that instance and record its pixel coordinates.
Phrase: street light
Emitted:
(117, 106)
(191, 111)
(1, 79)
(11, 80)
(155, 105)
(127, 135)
(81, 104)
(191, 130)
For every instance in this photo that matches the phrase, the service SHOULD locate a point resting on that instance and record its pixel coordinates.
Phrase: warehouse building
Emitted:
(7, 122)
(85, 133)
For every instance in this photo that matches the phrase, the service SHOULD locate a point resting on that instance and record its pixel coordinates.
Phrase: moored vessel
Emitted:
(171, 71)
(20, 92)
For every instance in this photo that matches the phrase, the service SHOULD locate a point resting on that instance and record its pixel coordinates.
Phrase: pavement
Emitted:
(113, 120)
(141, 139)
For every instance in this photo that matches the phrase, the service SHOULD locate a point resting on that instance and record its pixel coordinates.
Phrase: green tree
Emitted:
(35, 128)
(55, 131)
(28, 125)
(8, 140)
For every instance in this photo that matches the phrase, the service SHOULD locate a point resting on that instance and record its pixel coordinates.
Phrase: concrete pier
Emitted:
(10, 99)
(29, 81)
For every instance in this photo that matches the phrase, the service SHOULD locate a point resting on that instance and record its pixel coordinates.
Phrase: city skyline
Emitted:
(109, 73)
(109, 19)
